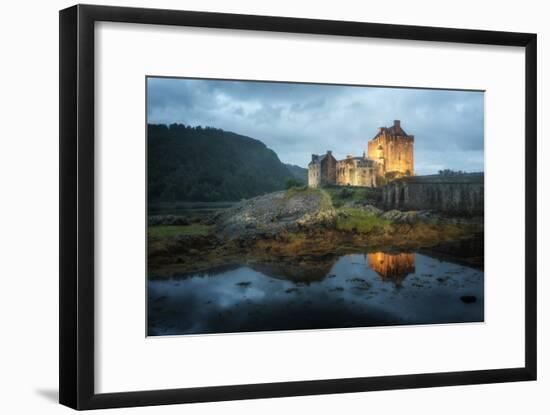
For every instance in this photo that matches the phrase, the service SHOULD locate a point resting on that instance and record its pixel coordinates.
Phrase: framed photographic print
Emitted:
(258, 206)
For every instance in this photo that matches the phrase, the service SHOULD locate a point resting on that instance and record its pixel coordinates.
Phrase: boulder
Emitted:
(275, 213)
(373, 210)
(410, 217)
(468, 299)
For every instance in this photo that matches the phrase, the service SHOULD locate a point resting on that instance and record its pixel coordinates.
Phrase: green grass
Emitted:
(341, 195)
(359, 220)
(166, 230)
(325, 202)
(300, 190)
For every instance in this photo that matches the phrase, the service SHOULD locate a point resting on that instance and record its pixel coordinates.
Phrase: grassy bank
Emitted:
(169, 230)
(325, 200)
(361, 221)
(343, 195)
(347, 227)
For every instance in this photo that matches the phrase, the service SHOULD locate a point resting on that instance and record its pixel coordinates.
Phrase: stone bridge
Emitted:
(461, 194)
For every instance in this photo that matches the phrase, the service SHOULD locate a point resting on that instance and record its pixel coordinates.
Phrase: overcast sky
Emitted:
(296, 120)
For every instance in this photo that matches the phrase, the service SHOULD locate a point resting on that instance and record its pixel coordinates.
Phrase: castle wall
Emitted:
(351, 172)
(314, 175)
(328, 170)
(461, 194)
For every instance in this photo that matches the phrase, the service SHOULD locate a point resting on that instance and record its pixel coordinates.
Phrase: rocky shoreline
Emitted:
(300, 226)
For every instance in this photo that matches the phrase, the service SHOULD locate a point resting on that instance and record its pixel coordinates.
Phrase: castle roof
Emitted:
(361, 160)
(316, 158)
(395, 129)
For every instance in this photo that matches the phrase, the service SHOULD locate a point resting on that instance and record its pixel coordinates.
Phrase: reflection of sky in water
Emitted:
(352, 294)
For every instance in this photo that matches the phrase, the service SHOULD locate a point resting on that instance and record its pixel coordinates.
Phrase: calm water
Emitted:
(375, 289)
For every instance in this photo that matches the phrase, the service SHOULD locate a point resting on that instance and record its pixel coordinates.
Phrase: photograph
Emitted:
(270, 208)
(292, 206)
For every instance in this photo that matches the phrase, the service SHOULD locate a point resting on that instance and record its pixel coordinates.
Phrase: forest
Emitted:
(205, 164)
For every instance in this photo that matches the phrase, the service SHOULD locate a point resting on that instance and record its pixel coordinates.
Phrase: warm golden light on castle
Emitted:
(389, 155)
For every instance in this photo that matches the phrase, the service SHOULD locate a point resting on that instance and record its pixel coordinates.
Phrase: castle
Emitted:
(389, 155)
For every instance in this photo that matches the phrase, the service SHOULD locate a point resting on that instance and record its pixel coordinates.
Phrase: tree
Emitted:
(290, 183)
(449, 172)
(205, 164)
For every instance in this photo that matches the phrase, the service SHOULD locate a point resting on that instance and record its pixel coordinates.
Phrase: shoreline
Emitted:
(199, 255)
(301, 226)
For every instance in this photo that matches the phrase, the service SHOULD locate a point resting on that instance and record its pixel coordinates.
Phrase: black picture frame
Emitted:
(76, 279)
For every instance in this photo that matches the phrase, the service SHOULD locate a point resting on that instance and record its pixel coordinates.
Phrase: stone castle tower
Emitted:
(392, 149)
(322, 170)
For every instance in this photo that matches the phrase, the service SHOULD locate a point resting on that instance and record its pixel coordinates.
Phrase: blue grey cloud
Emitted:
(296, 120)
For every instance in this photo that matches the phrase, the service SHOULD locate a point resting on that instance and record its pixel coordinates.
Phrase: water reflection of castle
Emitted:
(392, 267)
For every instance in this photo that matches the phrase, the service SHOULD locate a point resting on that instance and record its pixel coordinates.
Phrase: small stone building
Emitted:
(356, 171)
(322, 170)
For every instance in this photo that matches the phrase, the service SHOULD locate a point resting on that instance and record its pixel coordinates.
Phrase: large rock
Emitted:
(274, 213)
(372, 210)
(411, 217)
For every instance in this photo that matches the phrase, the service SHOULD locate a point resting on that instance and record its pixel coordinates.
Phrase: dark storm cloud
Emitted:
(296, 120)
